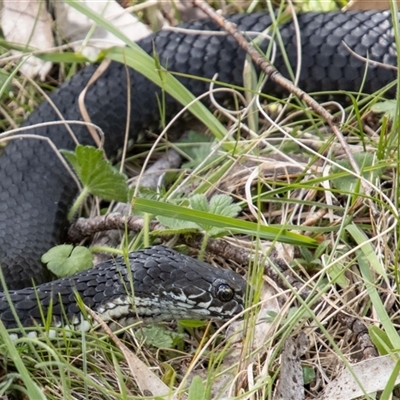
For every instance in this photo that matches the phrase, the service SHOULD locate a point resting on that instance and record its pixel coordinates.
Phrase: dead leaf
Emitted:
(75, 27)
(368, 5)
(373, 374)
(28, 23)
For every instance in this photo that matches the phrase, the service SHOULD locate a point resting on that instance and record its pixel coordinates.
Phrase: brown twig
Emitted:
(86, 227)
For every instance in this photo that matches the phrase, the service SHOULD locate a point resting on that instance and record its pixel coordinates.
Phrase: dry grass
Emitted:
(286, 177)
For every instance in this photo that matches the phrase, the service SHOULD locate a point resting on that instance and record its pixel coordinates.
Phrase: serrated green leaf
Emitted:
(157, 336)
(177, 224)
(97, 174)
(213, 232)
(222, 204)
(388, 107)
(197, 148)
(199, 202)
(65, 260)
(348, 183)
(194, 137)
(72, 159)
(219, 204)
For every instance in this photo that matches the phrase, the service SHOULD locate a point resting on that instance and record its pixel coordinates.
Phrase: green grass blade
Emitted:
(387, 394)
(231, 224)
(139, 60)
(369, 253)
(367, 259)
(31, 387)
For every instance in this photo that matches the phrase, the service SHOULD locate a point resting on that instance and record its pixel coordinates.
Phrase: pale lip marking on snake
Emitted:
(167, 285)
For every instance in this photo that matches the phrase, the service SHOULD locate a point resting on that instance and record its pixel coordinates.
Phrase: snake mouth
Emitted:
(167, 308)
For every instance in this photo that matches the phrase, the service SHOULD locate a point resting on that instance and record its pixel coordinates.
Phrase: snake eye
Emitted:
(225, 292)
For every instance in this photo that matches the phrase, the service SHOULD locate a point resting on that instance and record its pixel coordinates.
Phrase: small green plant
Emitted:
(66, 260)
(219, 205)
(97, 175)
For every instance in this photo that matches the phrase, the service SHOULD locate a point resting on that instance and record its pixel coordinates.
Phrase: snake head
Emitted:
(180, 287)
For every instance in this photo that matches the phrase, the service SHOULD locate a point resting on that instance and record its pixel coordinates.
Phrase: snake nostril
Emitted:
(225, 292)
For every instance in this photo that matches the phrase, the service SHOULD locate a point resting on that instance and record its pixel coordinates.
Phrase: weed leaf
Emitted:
(98, 176)
(219, 205)
(364, 160)
(158, 336)
(387, 107)
(65, 260)
(196, 389)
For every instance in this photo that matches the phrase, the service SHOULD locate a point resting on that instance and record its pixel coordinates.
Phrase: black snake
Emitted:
(167, 285)
(36, 191)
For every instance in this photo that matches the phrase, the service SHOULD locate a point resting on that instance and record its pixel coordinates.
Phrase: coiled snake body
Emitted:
(36, 191)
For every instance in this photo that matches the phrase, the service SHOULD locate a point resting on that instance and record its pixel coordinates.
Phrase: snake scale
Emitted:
(36, 191)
